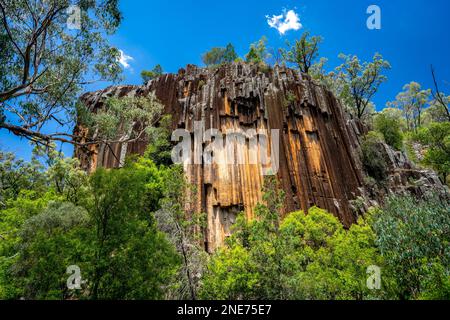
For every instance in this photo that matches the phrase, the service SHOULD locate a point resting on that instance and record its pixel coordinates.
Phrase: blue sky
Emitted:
(414, 34)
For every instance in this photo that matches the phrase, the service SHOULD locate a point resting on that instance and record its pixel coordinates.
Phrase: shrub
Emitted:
(372, 157)
(389, 127)
(305, 256)
(111, 235)
(436, 140)
(414, 239)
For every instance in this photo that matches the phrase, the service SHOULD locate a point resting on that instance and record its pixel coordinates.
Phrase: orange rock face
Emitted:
(317, 146)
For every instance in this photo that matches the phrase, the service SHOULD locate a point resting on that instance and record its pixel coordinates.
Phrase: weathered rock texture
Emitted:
(403, 178)
(319, 163)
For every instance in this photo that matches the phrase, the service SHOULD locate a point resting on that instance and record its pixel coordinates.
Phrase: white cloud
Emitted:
(124, 59)
(285, 22)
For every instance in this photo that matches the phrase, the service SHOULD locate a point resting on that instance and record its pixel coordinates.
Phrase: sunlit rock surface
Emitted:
(318, 145)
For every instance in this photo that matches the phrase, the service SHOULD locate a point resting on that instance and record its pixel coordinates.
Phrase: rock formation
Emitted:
(318, 144)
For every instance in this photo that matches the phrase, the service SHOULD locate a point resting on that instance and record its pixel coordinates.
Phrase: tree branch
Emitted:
(8, 31)
(437, 96)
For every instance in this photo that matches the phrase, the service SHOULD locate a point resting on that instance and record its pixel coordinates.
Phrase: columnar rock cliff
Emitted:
(318, 145)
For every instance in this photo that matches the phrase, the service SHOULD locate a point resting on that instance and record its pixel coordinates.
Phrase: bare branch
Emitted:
(437, 95)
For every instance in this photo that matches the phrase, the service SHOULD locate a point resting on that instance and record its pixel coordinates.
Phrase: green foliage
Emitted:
(413, 236)
(183, 229)
(425, 129)
(412, 148)
(372, 157)
(50, 242)
(44, 64)
(125, 119)
(360, 82)
(62, 176)
(327, 79)
(306, 256)
(148, 75)
(231, 275)
(128, 231)
(436, 140)
(230, 54)
(213, 57)
(67, 179)
(17, 175)
(160, 145)
(397, 115)
(389, 126)
(111, 235)
(312, 257)
(217, 56)
(303, 52)
(412, 101)
(132, 260)
(28, 204)
(258, 52)
(436, 112)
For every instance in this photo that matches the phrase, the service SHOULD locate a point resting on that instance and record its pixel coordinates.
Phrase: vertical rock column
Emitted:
(317, 163)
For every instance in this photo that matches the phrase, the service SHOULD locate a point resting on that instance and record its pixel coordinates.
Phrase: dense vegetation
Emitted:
(103, 223)
(127, 231)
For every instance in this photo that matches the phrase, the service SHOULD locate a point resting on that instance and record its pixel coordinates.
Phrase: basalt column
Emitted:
(317, 162)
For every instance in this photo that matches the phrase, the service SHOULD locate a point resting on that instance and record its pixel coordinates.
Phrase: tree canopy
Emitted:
(148, 75)
(104, 224)
(303, 52)
(218, 55)
(304, 256)
(412, 101)
(360, 81)
(45, 61)
(258, 53)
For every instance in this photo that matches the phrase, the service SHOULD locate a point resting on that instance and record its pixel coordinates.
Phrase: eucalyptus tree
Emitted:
(148, 75)
(360, 81)
(303, 52)
(51, 49)
(412, 101)
(258, 53)
(218, 55)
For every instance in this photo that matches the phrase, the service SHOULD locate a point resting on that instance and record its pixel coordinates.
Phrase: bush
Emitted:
(372, 157)
(414, 239)
(436, 140)
(305, 256)
(111, 235)
(389, 127)
(160, 146)
(258, 52)
(50, 242)
(310, 256)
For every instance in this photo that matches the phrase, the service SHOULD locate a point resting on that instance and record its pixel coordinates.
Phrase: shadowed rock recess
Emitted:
(318, 148)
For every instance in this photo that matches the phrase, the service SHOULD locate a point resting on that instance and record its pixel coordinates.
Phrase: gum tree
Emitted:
(360, 81)
(258, 53)
(148, 75)
(49, 51)
(412, 101)
(303, 52)
(218, 55)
